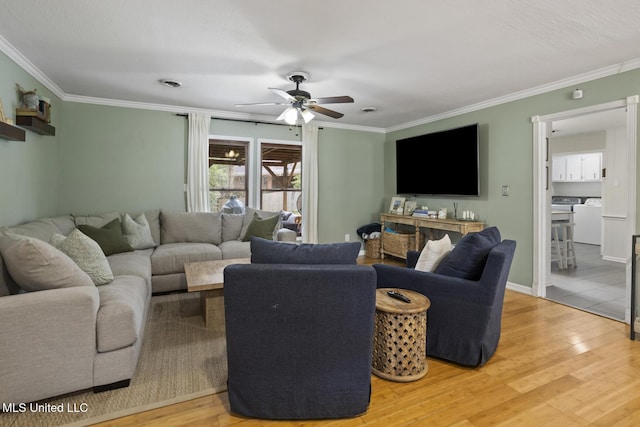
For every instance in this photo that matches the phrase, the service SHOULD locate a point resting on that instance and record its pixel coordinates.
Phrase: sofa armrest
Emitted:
(47, 343)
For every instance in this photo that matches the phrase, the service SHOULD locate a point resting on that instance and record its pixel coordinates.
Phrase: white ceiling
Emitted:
(411, 59)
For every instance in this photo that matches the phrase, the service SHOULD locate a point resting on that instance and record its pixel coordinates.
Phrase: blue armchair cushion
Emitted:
(270, 252)
(468, 258)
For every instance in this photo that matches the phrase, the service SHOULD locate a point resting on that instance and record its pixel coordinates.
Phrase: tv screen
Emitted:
(439, 163)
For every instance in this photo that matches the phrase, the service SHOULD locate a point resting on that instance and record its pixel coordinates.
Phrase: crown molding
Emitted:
(559, 84)
(35, 72)
(216, 114)
(17, 57)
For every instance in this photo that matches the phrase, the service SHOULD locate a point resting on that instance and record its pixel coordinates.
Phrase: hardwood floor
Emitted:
(555, 365)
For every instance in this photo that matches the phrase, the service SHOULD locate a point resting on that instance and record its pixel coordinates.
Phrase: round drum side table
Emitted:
(400, 336)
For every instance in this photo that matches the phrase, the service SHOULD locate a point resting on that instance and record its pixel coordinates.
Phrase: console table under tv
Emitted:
(416, 242)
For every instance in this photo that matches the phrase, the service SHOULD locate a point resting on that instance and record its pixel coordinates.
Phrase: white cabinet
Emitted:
(574, 167)
(592, 167)
(559, 168)
(579, 167)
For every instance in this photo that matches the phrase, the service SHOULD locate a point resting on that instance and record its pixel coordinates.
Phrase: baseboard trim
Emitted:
(527, 290)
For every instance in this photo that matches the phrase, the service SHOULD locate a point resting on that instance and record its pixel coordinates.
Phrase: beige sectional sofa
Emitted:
(63, 332)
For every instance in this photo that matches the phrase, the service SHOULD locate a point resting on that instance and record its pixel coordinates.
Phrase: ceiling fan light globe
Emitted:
(307, 115)
(291, 116)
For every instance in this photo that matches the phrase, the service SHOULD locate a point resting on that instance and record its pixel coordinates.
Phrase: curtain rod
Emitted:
(257, 122)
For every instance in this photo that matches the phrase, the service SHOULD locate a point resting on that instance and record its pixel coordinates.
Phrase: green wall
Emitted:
(120, 159)
(506, 144)
(29, 184)
(113, 158)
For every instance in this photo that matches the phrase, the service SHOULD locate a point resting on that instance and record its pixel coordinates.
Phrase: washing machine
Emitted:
(588, 222)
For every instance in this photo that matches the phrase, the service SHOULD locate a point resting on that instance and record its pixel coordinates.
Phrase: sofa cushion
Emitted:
(109, 237)
(153, 218)
(85, 252)
(194, 227)
(36, 265)
(235, 249)
(268, 252)
(261, 227)
(97, 221)
(137, 232)
(432, 253)
(171, 257)
(231, 226)
(468, 257)
(119, 319)
(137, 263)
(248, 218)
(42, 229)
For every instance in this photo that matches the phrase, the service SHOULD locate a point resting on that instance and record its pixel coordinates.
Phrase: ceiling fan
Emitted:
(300, 102)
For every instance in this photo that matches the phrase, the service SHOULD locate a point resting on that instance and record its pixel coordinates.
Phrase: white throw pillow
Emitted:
(137, 232)
(35, 265)
(434, 251)
(85, 252)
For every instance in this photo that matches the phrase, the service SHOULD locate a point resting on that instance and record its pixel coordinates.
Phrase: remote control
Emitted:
(398, 295)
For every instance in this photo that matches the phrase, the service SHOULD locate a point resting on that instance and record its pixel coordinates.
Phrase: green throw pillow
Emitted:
(260, 227)
(109, 237)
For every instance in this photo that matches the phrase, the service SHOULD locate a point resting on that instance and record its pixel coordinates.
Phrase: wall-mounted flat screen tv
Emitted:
(444, 163)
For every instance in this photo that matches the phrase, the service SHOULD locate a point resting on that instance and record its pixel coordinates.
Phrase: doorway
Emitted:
(566, 286)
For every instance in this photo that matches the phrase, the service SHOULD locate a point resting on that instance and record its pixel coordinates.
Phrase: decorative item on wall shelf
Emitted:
(397, 205)
(30, 98)
(3, 117)
(410, 207)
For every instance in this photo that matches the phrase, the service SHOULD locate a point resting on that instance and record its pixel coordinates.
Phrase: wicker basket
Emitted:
(372, 248)
(398, 244)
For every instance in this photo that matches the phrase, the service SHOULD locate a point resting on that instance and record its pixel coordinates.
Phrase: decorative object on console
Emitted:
(410, 207)
(397, 205)
(442, 213)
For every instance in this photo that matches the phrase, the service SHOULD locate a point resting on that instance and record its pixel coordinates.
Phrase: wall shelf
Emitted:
(11, 133)
(36, 125)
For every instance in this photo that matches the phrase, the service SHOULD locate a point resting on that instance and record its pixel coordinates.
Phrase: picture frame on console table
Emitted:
(410, 206)
(397, 205)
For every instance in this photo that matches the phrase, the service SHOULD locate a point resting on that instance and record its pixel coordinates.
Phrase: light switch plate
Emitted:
(505, 190)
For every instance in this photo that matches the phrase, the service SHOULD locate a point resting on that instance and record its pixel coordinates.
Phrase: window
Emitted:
(281, 181)
(227, 172)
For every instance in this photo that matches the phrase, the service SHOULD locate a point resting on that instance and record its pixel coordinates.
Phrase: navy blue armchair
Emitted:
(464, 320)
(299, 335)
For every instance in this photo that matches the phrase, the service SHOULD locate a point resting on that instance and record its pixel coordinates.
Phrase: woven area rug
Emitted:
(180, 360)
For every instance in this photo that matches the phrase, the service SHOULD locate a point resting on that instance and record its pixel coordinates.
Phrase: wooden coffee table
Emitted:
(207, 277)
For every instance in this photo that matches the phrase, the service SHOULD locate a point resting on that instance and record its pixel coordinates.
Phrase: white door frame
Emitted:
(542, 184)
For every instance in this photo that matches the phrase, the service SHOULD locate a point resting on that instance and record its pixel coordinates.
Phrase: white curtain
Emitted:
(310, 184)
(198, 163)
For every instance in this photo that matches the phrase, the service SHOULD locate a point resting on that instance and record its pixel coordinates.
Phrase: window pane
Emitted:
(227, 172)
(280, 177)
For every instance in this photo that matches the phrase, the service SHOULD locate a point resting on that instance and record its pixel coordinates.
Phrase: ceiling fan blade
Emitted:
(333, 100)
(282, 93)
(262, 103)
(324, 111)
